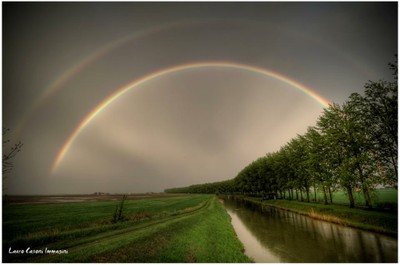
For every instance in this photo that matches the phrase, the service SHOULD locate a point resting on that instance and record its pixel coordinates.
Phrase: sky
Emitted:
(135, 97)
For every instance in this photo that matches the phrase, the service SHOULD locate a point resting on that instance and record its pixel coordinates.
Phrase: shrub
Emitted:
(119, 209)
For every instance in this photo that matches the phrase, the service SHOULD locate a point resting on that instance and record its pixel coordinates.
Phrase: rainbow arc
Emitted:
(184, 67)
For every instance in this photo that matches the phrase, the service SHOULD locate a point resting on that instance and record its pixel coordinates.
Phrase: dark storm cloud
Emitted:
(182, 128)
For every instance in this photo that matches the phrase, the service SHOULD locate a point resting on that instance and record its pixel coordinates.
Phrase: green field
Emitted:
(192, 228)
(379, 197)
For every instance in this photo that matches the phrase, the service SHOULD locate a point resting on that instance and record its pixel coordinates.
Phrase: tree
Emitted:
(379, 111)
(298, 156)
(349, 142)
(317, 163)
(9, 154)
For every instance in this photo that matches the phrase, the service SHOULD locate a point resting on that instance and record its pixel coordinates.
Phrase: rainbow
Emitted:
(107, 101)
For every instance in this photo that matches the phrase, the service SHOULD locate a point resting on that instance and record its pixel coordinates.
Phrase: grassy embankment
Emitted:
(178, 229)
(367, 219)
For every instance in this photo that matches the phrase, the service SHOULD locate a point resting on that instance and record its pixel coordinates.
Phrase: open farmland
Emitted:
(166, 229)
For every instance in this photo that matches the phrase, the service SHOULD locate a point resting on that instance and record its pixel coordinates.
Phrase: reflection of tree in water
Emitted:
(296, 238)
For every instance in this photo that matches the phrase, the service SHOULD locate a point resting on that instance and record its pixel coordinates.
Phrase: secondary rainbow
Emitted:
(107, 101)
(94, 56)
(81, 64)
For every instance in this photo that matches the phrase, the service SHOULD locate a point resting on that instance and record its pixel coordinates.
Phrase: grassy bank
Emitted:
(178, 229)
(377, 221)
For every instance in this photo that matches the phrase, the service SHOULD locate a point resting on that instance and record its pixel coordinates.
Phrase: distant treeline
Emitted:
(352, 148)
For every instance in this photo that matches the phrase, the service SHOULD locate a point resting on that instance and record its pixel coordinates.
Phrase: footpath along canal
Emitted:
(272, 235)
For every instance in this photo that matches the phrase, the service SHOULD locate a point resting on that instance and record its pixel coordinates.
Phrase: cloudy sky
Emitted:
(138, 97)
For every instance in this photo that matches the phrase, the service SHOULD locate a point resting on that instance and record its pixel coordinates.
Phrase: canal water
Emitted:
(272, 235)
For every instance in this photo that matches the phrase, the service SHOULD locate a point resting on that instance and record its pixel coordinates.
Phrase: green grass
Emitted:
(31, 218)
(178, 229)
(379, 197)
(378, 221)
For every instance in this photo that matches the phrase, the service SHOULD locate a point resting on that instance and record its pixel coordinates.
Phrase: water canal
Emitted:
(273, 235)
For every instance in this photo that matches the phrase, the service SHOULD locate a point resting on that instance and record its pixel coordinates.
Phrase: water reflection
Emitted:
(272, 235)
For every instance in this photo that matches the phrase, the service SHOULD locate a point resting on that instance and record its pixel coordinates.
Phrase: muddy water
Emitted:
(272, 235)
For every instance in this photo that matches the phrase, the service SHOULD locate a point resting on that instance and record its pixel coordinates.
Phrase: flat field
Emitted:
(380, 198)
(192, 228)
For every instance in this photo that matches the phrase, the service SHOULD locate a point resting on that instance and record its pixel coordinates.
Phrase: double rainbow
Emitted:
(121, 91)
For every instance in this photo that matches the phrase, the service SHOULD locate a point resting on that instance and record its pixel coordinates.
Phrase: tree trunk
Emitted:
(351, 198)
(367, 197)
(330, 194)
(394, 165)
(315, 192)
(325, 197)
(364, 187)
